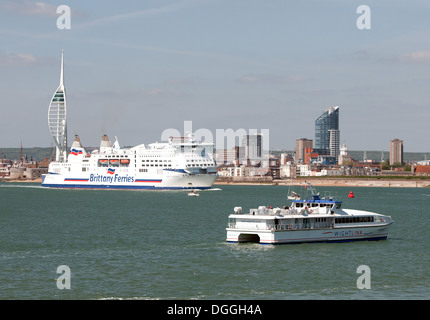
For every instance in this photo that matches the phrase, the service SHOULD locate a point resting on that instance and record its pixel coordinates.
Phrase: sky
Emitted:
(134, 69)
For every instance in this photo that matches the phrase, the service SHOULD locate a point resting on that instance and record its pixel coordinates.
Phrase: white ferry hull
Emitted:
(300, 236)
(180, 181)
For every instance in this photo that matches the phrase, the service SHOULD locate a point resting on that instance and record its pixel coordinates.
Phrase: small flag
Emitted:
(75, 152)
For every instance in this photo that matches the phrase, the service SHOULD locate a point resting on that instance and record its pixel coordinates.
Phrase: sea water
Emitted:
(119, 244)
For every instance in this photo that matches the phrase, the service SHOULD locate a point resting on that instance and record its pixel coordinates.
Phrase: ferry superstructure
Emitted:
(180, 163)
(313, 220)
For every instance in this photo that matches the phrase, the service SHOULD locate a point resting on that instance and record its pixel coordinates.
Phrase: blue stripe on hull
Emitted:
(85, 186)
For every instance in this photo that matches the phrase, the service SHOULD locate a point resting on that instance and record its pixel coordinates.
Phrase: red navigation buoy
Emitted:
(351, 195)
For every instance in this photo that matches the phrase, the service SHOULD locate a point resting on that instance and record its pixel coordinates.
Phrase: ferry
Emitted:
(316, 219)
(180, 163)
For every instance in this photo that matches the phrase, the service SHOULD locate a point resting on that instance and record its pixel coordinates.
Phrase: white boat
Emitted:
(293, 196)
(180, 163)
(313, 220)
(193, 193)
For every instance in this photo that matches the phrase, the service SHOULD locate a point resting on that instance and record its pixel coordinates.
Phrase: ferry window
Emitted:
(338, 206)
(103, 163)
(124, 162)
(114, 163)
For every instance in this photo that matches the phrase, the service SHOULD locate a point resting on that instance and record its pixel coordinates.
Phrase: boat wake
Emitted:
(9, 185)
(213, 189)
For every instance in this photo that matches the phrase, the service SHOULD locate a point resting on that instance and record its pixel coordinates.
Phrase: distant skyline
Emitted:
(136, 68)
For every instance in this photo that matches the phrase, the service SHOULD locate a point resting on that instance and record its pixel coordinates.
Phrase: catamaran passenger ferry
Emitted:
(181, 163)
(312, 220)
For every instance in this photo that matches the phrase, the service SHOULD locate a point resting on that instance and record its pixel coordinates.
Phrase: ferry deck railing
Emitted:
(282, 227)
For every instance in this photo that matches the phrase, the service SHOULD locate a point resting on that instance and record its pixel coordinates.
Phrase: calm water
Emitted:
(166, 245)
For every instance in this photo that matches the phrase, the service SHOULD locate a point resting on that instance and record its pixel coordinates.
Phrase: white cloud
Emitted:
(418, 56)
(135, 14)
(15, 59)
(29, 8)
(271, 78)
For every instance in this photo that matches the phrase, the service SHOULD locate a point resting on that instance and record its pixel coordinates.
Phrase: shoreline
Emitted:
(336, 182)
(38, 180)
(322, 182)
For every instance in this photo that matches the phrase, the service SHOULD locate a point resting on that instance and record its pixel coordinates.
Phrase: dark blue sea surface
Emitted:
(166, 245)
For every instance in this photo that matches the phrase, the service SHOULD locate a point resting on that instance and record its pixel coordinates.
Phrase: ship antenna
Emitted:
(62, 69)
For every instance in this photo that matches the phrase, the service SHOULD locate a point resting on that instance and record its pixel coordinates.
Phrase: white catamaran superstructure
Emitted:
(180, 163)
(311, 220)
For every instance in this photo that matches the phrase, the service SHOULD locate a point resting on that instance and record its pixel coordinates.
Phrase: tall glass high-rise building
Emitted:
(326, 126)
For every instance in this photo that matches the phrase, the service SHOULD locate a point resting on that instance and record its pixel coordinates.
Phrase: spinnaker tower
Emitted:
(57, 118)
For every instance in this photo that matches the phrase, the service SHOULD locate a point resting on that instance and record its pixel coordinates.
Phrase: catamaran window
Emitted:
(354, 219)
(338, 206)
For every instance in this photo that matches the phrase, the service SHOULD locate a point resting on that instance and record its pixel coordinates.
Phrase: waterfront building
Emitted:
(301, 146)
(287, 170)
(252, 146)
(396, 151)
(326, 130)
(334, 143)
(310, 156)
(227, 156)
